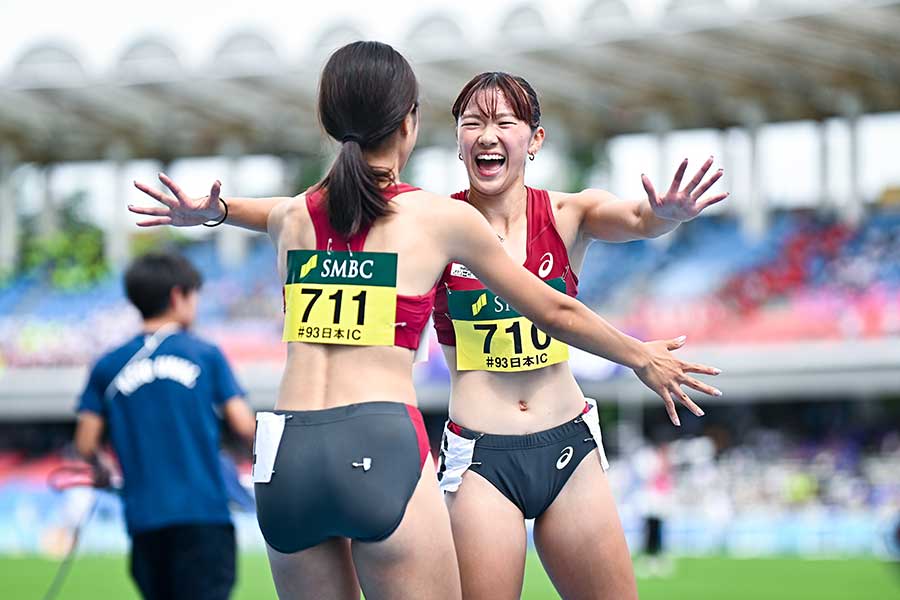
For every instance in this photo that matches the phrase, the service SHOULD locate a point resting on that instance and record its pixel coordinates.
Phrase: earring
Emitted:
(531, 156)
(460, 156)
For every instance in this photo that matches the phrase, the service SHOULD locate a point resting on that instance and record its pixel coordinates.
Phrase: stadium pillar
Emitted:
(115, 239)
(231, 242)
(755, 209)
(660, 124)
(48, 220)
(291, 166)
(852, 209)
(9, 218)
(601, 174)
(825, 197)
(730, 176)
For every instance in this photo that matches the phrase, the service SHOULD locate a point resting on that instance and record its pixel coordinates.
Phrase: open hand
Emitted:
(665, 374)
(179, 210)
(684, 204)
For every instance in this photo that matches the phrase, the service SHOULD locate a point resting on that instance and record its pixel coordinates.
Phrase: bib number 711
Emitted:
(340, 297)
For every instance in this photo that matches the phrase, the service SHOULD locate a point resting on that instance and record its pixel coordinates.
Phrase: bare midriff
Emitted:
(512, 403)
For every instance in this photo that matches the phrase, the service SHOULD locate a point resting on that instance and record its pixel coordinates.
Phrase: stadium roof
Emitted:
(698, 63)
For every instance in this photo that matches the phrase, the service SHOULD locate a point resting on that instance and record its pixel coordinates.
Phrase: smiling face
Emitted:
(496, 134)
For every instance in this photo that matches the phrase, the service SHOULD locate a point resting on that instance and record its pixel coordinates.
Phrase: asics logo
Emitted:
(564, 458)
(546, 265)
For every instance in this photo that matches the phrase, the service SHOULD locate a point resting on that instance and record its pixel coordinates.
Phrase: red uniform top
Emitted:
(412, 311)
(546, 256)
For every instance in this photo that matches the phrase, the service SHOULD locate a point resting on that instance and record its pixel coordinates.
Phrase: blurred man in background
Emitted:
(162, 395)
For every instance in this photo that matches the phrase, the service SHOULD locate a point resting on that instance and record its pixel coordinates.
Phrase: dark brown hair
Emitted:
(518, 92)
(366, 91)
(150, 279)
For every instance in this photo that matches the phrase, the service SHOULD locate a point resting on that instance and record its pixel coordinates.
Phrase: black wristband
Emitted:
(222, 220)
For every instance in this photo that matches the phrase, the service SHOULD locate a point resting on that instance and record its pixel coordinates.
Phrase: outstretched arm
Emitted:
(180, 210)
(608, 218)
(470, 240)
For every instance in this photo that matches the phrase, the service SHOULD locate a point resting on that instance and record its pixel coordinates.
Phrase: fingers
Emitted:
(173, 187)
(648, 187)
(686, 400)
(155, 222)
(698, 368)
(156, 194)
(214, 193)
(706, 184)
(670, 407)
(155, 211)
(711, 201)
(700, 386)
(679, 174)
(698, 177)
(676, 343)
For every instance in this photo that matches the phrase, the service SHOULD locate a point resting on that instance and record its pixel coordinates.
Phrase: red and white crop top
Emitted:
(412, 311)
(546, 257)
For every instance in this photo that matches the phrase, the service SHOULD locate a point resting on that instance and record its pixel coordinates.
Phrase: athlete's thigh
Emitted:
(491, 542)
(323, 572)
(580, 539)
(417, 561)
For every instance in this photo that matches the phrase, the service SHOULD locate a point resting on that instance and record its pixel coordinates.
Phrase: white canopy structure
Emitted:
(700, 63)
(607, 70)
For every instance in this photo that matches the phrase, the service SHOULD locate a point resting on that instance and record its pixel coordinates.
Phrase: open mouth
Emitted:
(489, 163)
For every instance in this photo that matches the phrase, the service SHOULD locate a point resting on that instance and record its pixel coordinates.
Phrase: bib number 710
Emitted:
(515, 329)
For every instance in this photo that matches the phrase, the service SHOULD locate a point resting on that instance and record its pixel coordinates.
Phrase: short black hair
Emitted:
(150, 279)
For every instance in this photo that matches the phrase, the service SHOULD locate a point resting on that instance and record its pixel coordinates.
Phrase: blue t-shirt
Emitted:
(162, 412)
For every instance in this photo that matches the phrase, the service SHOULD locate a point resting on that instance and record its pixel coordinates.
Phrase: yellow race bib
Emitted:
(340, 297)
(491, 336)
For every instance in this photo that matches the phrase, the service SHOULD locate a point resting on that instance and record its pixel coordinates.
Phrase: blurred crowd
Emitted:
(806, 277)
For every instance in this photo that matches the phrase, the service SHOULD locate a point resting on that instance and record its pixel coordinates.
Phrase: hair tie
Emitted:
(351, 137)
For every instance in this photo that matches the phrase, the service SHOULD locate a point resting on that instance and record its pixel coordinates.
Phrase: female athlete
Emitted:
(345, 495)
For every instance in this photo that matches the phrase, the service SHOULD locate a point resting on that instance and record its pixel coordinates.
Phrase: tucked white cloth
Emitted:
(592, 420)
(269, 429)
(456, 458)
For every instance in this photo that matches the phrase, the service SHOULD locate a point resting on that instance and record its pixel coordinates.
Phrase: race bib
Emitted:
(340, 297)
(491, 336)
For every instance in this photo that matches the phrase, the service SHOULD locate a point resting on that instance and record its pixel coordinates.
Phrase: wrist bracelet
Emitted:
(222, 220)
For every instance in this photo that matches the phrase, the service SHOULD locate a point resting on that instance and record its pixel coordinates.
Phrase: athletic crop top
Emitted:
(412, 311)
(546, 256)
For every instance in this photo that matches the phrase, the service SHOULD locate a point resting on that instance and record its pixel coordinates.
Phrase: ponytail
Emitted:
(354, 190)
(366, 91)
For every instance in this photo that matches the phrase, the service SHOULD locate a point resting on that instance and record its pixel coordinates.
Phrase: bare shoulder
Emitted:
(422, 198)
(428, 207)
(580, 201)
(289, 217)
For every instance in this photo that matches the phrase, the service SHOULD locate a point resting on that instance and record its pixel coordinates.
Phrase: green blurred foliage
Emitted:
(157, 239)
(310, 170)
(72, 256)
(583, 159)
